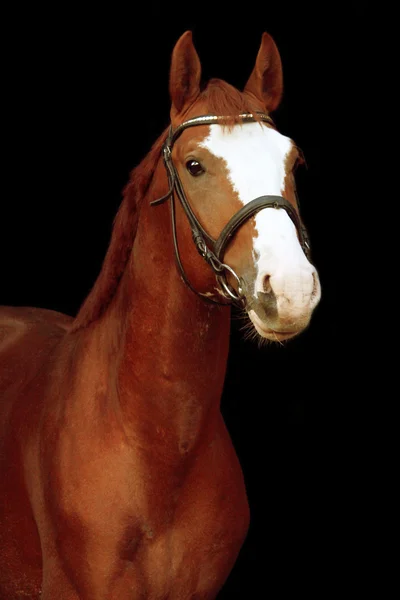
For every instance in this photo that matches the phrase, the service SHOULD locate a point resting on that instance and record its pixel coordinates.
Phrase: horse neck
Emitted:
(169, 346)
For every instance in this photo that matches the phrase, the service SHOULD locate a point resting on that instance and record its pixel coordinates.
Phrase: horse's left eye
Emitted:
(194, 168)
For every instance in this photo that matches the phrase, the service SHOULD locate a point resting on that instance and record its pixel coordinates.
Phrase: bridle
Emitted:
(210, 249)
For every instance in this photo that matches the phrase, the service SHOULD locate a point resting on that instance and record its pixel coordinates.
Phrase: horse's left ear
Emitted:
(185, 74)
(266, 80)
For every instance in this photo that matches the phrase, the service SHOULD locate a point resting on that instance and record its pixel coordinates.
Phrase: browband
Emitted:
(217, 120)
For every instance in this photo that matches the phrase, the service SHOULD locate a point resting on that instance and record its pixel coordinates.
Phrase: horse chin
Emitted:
(272, 334)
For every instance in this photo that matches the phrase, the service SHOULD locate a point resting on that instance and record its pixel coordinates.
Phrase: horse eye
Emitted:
(194, 168)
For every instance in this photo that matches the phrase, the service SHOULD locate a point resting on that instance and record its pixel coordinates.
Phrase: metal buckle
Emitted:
(167, 153)
(230, 292)
(200, 244)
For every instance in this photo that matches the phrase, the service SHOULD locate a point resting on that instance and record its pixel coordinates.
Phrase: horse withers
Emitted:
(118, 477)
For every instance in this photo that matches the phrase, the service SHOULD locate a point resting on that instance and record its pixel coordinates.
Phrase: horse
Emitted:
(119, 479)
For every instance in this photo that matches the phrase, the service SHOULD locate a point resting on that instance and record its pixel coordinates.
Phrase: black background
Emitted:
(85, 94)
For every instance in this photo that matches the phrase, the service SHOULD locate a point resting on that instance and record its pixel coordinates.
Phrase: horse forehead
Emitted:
(253, 137)
(255, 156)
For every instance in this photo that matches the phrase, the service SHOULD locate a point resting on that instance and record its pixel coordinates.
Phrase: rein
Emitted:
(213, 250)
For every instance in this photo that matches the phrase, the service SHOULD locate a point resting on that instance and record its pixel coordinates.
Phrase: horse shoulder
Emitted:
(209, 520)
(27, 337)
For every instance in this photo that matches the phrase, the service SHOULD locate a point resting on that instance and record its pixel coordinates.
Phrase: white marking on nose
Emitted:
(254, 155)
(255, 158)
(277, 248)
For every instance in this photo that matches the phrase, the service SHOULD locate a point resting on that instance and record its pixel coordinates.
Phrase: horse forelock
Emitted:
(222, 99)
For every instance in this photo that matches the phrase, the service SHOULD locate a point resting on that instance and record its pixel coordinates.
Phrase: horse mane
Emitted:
(122, 238)
(221, 99)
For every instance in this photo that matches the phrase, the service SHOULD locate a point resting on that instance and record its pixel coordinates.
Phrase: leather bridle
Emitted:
(210, 249)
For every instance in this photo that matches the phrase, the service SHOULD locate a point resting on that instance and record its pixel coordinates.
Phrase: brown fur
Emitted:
(120, 478)
(123, 235)
(266, 80)
(221, 99)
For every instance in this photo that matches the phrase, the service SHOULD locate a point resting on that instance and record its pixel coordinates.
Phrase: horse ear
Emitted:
(184, 79)
(266, 80)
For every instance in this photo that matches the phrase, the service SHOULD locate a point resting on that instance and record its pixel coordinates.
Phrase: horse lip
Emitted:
(265, 331)
(275, 334)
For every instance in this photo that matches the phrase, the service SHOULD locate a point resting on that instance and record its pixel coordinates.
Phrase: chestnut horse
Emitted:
(118, 477)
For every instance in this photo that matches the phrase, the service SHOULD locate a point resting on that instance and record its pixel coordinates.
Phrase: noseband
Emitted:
(213, 250)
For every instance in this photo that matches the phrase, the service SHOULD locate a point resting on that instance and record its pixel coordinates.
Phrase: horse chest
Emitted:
(189, 560)
(154, 532)
(188, 549)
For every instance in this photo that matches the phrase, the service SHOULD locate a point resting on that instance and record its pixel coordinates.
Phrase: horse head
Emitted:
(225, 157)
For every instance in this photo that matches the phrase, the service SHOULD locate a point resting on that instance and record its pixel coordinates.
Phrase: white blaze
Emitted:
(255, 158)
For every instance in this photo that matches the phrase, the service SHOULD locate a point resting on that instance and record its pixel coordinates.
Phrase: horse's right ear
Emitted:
(185, 74)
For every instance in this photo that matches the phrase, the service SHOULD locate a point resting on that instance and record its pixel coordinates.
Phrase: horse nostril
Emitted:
(267, 285)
